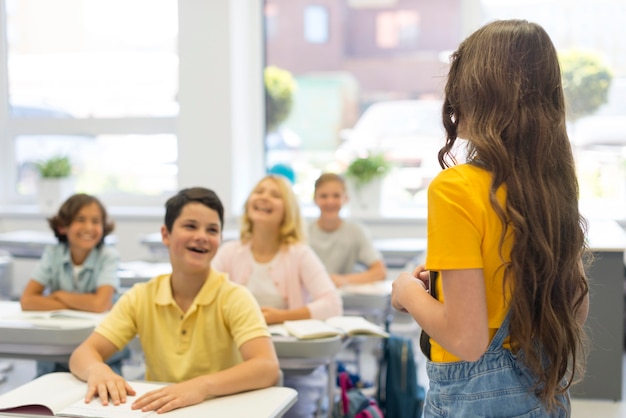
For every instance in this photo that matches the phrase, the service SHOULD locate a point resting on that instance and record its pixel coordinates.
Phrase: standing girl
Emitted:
(505, 237)
(79, 272)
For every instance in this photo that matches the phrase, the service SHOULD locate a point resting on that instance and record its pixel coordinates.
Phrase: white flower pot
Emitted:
(364, 201)
(52, 192)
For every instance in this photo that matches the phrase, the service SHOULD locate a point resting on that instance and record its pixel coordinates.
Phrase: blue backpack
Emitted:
(399, 395)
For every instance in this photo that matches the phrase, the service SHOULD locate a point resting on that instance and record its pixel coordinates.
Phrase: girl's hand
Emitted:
(170, 397)
(273, 315)
(421, 273)
(105, 384)
(405, 286)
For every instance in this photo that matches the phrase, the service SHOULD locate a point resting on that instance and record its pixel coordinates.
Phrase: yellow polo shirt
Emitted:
(464, 233)
(179, 346)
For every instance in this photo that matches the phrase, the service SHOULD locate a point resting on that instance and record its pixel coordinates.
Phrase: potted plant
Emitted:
(56, 182)
(364, 178)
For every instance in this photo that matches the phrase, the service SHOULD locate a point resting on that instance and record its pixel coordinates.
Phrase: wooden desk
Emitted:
(269, 402)
(49, 339)
(605, 327)
(398, 252)
(131, 272)
(306, 355)
(372, 300)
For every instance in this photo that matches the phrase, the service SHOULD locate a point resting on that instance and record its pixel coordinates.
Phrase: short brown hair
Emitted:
(70, 208)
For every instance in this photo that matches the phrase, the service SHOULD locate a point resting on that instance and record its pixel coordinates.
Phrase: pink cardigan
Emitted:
(299, 275)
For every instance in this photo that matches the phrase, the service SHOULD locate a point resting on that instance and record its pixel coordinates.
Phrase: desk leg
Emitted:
(332, 379)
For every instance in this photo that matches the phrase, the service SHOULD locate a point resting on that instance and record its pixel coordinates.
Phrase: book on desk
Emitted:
(56, 319)
(339, 325)
(62, 394)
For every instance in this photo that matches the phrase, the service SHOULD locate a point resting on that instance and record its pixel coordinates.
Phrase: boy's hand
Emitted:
(339, 280)
(170, 397)
(105, 384)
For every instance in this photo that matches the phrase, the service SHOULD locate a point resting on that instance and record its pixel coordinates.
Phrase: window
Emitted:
(95, 80)
(271, 21)
(377, 88)
(397, 29)
(316, 24)
(161, 127)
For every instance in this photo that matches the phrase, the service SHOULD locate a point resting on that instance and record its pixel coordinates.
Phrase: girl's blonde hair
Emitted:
(291, 228)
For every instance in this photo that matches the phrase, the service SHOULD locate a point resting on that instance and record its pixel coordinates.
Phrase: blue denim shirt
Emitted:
(54, 269)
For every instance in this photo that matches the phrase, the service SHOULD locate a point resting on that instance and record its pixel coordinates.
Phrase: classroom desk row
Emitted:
(54, 339)
(397, 252)
(605, 324)
(264, 403)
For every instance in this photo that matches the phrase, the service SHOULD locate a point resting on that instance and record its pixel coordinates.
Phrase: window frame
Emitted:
(224, 82)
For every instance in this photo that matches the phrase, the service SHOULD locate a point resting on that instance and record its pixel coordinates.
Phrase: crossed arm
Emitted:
(33, 299)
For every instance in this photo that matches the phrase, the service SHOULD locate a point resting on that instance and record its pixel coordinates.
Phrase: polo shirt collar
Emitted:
(207, 294)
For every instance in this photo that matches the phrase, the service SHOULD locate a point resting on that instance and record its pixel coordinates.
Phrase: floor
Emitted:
(22, 371)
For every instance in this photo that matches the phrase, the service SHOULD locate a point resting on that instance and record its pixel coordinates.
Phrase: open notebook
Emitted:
(62, 395)
(338, 325)
(64, 318)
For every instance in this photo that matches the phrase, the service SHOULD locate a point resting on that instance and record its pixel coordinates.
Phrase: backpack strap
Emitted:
(495, 343)
(424, 337)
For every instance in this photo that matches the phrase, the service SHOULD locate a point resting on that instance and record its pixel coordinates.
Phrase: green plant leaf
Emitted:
(55, 167)
(365, 169)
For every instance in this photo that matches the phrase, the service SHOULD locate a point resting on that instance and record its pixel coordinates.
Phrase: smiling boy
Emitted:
(198, 330)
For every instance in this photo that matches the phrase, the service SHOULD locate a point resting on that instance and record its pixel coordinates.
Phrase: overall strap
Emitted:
(501, 334)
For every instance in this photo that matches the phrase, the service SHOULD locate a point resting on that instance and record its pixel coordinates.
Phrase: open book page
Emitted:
(97, 410)
(356, 325)
(62, 394)
(311, 328)
(63, 313)
(279, 330)
(49, 393)
(61, 319)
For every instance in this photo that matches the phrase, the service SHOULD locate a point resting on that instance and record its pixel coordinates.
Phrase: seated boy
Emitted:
(197, 329)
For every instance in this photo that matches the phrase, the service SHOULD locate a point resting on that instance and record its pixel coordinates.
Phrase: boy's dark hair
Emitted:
(70, 208)
(207, 197)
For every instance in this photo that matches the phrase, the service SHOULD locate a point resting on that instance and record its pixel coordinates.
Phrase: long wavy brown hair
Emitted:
(504, 94)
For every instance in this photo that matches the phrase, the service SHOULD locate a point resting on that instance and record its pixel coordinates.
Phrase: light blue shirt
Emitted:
(55, 271)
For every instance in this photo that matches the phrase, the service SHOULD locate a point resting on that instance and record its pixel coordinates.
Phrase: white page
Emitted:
(356, 325)
(278, 329)
(96, 409)
(311, 328)
(54, 390)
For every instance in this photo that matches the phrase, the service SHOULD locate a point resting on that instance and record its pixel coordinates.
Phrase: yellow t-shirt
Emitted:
(179, 346)
(464, 233)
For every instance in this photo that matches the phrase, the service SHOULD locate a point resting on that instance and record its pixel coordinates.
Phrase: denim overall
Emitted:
(497, 385)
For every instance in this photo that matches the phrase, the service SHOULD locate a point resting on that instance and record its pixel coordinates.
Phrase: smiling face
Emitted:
(194, 238)
(330, 196)
(266, 204)
(84, 232)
